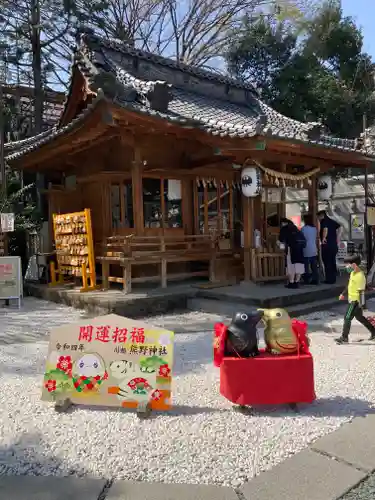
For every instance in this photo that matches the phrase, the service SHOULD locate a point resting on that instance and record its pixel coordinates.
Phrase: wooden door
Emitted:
(121, 207)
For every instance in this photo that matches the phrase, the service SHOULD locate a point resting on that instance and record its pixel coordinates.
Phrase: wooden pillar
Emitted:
(312, 200)
(137, 167)
(257, 214)
(248, 233)
(187, 205)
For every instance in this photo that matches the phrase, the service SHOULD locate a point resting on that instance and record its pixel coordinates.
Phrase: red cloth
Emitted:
(220, 338)
(268, 379)
(300, 331)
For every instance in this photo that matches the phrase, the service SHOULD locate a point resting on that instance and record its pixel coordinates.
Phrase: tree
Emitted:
(195, 32)
(261, 54)
(35, 44)
(343, 83)
(19, 199)
(323, 75)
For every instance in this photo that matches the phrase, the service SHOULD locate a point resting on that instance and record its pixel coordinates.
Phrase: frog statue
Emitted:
(242, 339)
(283, 335)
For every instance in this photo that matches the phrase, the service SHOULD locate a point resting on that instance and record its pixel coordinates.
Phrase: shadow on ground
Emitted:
(27, 456)
(337, 406)
(33, 322)
(322, 407)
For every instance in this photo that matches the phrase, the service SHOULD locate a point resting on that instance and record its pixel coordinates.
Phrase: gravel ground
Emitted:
(202, 440)
(365, 491)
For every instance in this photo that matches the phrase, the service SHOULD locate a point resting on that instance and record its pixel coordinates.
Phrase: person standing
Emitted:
(356, 299)
(310, 252)
(329, 235)
(294, 242)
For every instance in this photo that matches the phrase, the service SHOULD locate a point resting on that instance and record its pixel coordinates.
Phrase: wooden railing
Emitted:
(267, 265)
(130, 251)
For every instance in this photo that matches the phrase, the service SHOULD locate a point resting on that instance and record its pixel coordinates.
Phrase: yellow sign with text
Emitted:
(110, 361)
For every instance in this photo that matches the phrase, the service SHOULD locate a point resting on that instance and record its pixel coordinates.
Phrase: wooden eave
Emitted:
(91, 128)
(78, 94)
(293, 151)
(336, 156)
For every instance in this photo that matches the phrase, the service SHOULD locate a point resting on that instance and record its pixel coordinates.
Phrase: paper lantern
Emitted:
(251, 182)
(325, 188)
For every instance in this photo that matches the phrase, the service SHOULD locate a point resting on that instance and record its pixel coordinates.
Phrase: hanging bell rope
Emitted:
(283, 176)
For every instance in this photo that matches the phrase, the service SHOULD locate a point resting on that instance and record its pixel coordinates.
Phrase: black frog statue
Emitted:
(242, 338)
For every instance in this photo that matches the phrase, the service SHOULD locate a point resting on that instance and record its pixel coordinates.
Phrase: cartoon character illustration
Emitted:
(132, 383)
(278, 334)
(89, 372)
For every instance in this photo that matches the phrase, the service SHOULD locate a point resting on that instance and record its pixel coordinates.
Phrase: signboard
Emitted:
(7, 223)
(371, 216)
(110, 361)
(11, 278)
(357, 224)
(342, 250)
(260, 146)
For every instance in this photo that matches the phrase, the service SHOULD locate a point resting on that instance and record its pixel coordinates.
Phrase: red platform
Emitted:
(268, 379)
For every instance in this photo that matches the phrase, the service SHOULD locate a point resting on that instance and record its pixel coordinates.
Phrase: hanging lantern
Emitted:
(325, 188)
(251, 182)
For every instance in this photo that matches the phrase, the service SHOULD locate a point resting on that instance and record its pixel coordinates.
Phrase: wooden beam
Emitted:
(127, 137)
(248, 230)
(332, 155)
(313, 199)
(137, 168)
(209, 161)
(84, 145)
(187, 205)
(286, 158)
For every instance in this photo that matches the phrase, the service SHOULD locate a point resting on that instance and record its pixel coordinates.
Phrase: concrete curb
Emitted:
(331, 467)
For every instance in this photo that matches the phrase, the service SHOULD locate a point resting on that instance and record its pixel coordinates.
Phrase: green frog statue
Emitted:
(279, 335)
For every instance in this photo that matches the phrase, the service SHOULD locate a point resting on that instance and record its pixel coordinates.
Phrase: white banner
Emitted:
(7, 223)
(10, 278)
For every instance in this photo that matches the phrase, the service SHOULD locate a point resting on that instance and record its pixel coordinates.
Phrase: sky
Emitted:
(363, 12)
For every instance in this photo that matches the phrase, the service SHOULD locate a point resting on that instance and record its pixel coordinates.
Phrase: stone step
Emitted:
(272, 296)
(227, 308)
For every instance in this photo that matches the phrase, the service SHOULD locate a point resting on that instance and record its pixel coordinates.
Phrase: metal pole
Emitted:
(368, 238)
(368, 231)
(2, 139)
(3, 187)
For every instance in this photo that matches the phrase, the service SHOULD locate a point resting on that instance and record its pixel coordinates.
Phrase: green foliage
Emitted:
(321, 74)
(20, 201)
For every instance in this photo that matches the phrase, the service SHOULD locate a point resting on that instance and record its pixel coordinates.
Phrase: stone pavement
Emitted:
(340, 465)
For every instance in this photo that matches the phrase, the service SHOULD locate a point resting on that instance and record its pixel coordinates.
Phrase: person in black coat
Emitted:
(330, 232)
(293, 240)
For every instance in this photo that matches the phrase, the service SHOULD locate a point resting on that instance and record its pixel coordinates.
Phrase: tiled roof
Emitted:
(14, 150)
(236, 111)
(187, 96)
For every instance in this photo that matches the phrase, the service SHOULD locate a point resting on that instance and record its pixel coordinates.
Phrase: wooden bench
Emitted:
(130, 251)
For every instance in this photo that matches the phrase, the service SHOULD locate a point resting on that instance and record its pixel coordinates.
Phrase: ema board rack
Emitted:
(74, 250)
